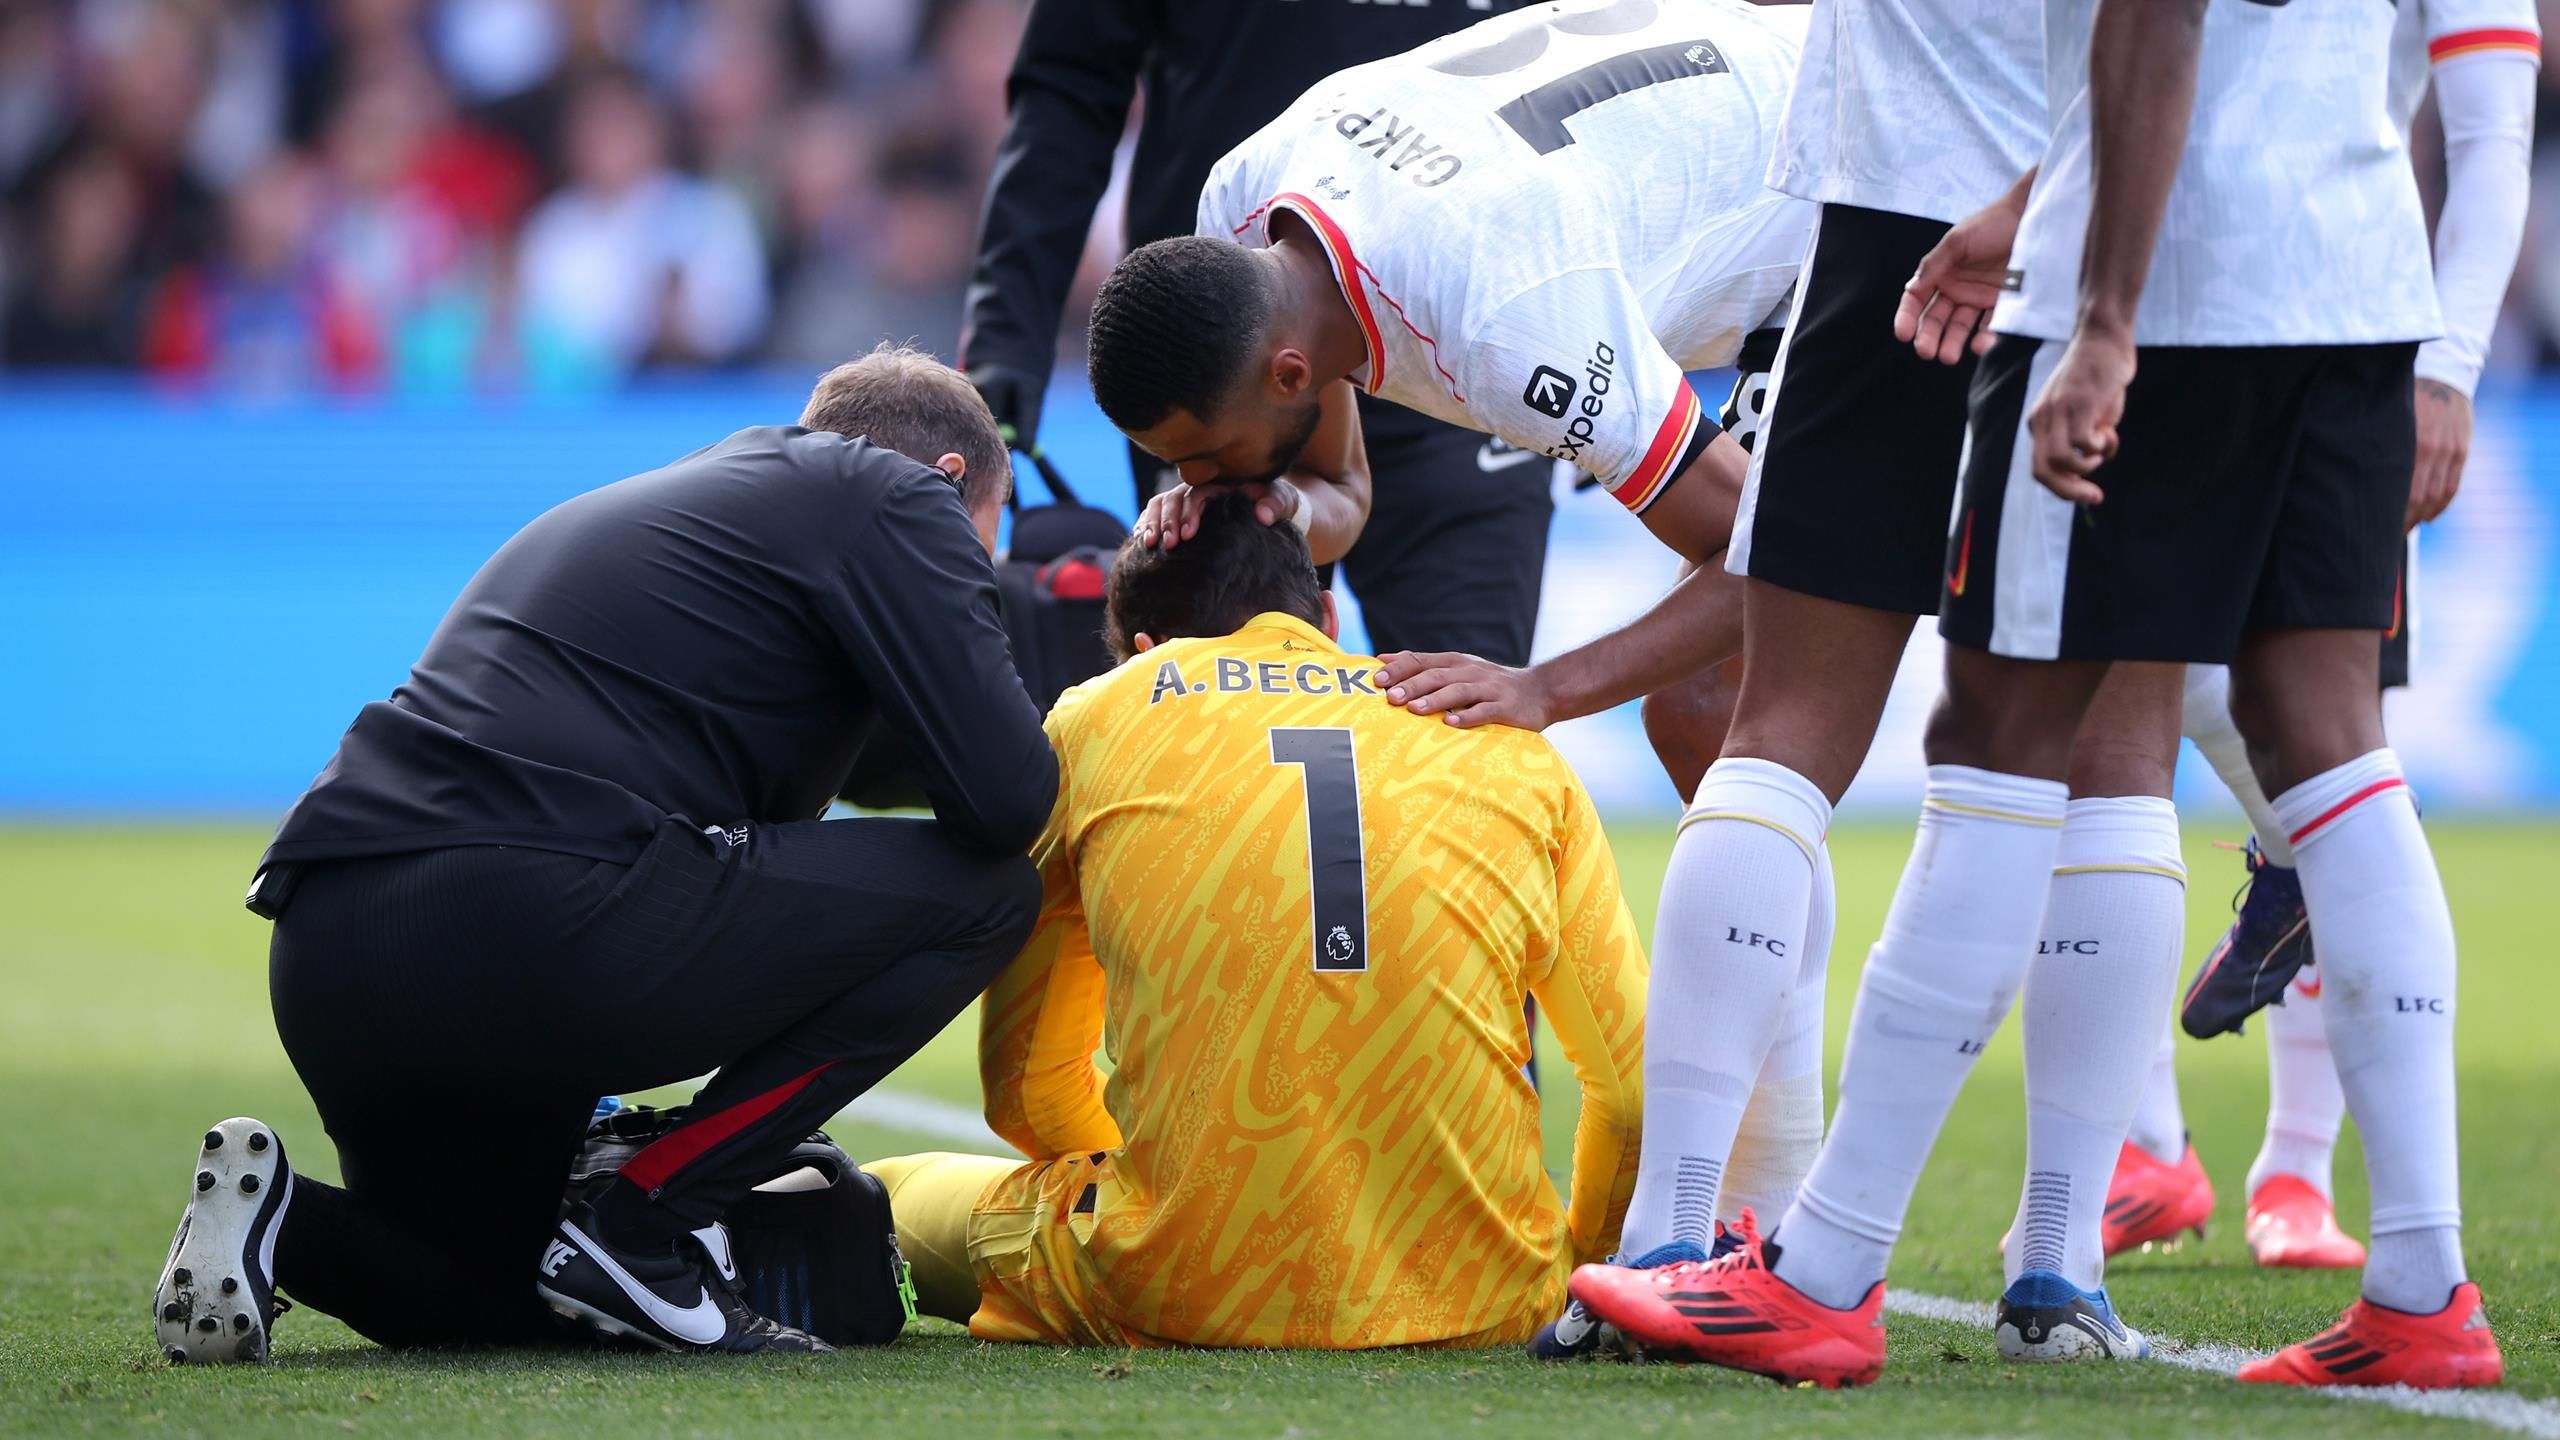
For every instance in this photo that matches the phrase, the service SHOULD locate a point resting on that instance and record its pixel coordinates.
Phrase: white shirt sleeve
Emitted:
(1238, 192)
(2485, 98)
(1210, 217)
(1569, 368)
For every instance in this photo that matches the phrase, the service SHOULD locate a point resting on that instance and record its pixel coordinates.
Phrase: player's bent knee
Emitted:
(2307, 701)
(2012, 717)
(2114, 766)
(2128, 742)
(1687, 724)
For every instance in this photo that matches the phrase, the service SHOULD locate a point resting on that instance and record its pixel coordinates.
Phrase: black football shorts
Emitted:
(2253, 488)
(1854, 474)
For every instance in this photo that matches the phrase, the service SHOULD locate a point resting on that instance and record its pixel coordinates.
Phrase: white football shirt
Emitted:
(2295, 216)
(1542, 220)
(1920, 107)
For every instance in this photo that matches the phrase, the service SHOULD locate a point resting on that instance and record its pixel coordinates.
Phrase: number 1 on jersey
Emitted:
(1337, 868)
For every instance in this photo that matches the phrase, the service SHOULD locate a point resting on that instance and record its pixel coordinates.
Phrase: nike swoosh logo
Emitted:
(715, 1242)
(700, 1323)
(1499, 455)
(1964, 558)
(2308, 987)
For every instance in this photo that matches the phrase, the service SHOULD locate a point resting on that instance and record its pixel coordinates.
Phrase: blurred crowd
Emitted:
(425, 195)
(547, 195)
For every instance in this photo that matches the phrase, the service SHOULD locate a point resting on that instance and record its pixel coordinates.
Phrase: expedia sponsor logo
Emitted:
(1550, 392)
(1398, 144)
(1557, 400)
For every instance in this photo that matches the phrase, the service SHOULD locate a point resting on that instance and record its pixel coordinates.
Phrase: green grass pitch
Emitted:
(133, 1013)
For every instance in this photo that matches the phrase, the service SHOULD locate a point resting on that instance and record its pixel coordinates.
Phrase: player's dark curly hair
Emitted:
(1173, 327)
(1234, 569)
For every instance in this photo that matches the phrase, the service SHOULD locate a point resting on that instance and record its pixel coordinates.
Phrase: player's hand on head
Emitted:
(2072, 425)
(1467, 690)
(2444, 447)
(1163, 523)
(1173, 516)
(1945, 309)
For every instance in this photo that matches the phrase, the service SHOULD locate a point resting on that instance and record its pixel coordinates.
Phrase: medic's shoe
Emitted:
(2045, 1317)
(680, 1299)
(2149, 1203)
(2376, 1345)
(2246, 971)
(2294, 1227)
(1579, 1335)
(216, 1300)
(1736, 1312)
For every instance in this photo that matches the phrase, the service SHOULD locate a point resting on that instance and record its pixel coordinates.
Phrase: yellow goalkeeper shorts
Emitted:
(1000, 1244)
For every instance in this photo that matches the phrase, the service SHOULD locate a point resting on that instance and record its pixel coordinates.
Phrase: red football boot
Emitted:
(2294, 1227)
(1737, 1313)
(2375, 1345)
(2149, 1203)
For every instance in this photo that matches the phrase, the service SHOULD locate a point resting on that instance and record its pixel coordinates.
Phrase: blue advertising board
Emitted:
(199, 592)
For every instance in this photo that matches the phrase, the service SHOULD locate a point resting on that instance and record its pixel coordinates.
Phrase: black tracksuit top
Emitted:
(709, 642)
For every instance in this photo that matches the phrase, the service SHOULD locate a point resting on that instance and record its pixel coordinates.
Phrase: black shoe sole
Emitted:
(595, 1319)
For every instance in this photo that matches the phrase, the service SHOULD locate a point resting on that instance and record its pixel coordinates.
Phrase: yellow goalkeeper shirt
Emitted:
(1301, 922)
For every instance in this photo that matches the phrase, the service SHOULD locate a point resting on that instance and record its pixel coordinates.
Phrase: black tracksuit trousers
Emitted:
(456, 1012)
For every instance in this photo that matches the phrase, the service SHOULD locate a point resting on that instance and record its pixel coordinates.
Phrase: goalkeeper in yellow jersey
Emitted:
(1299, 923)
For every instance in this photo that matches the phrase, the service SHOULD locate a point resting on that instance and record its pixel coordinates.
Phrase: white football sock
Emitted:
(2304, 1103)
(2207, 722)
(1782, 1127)
(1729, 942)
(2097, 994)
(2387, 978)
(1955, 946)
(2414, 1270)
(2160, 1121)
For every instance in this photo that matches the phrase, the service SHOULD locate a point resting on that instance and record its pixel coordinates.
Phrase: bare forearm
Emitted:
(1333, 476)
(1336, 514)
(2142, 91)
(1696, 623)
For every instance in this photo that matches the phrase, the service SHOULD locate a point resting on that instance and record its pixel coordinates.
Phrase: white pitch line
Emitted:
(964, 1125)
(1940, 1307)
(2514, 1413)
